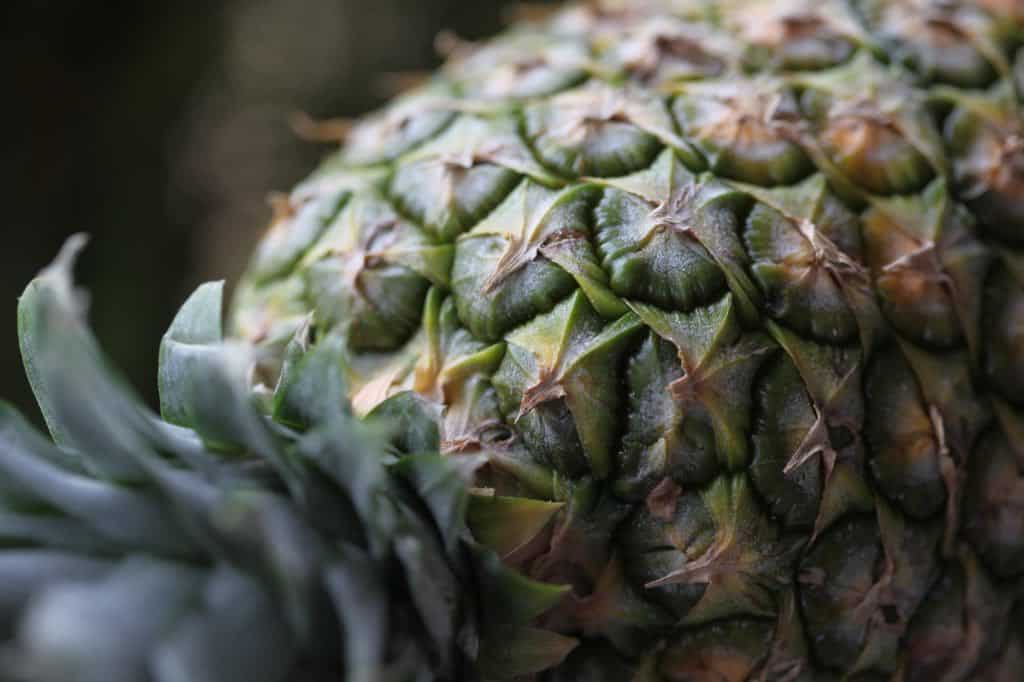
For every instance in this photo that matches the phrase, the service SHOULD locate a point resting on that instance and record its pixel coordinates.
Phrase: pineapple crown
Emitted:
(245, 536)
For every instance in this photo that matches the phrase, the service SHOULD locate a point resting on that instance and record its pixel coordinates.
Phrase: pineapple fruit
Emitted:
(714, 311)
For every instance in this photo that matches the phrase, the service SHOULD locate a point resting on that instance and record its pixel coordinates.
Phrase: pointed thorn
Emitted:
(816, 441)
(719, 559)
(548, 388)
(662, 500)
(329, 131)
(684, 390)
(952, 477)
(449, 44)
(281, 207)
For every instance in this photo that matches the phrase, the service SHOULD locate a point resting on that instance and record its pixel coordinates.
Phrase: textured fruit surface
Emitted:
(723, 304)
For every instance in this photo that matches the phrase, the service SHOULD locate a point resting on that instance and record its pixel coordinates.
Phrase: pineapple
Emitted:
(724, 301)
(717, 307)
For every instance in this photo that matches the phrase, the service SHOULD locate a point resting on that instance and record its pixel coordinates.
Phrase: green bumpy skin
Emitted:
(723, 304)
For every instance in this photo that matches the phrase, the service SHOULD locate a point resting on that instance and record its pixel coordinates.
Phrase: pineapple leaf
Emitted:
(187, 349)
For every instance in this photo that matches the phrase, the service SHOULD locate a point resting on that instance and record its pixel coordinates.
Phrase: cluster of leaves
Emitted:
(257, 536)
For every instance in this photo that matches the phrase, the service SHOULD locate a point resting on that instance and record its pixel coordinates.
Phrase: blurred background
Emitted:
(159, 128)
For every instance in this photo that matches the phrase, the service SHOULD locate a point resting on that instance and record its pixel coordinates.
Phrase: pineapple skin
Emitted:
(723, 304)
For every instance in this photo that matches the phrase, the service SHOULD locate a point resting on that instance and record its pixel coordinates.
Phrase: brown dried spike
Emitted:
(327, 131)
(723, 557)
(281, 206)
(548, 387)
(662, 500)
(952, 476)
(448, 44)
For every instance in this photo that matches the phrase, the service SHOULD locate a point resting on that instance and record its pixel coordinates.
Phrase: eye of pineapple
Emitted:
(776, 28)
(871, 148)
(660, 55)
(742, 120)
(938, 29)
(596, 130)
(802, 25)
(680, 46)
(863, 132)
(522, 64)
(940, 41)
(746, 129)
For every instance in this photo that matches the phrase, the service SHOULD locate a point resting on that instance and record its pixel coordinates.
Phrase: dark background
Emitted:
(159, 127)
